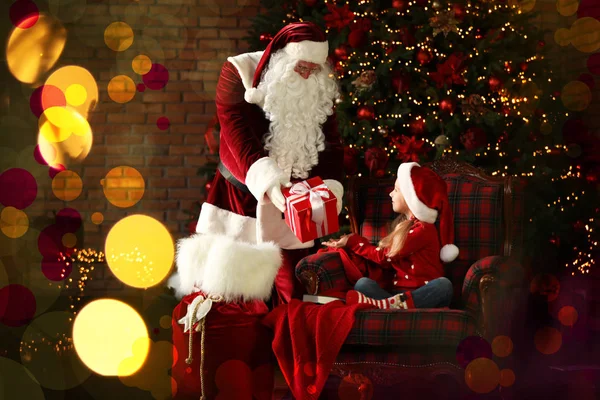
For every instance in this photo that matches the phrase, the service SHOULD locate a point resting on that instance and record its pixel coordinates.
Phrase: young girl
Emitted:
(414, 249)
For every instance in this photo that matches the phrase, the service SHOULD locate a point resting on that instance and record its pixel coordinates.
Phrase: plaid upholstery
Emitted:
(427, 327)
(407, 354)
(329, 270)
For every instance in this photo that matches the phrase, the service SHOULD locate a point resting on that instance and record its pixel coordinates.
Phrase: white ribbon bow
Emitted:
(203, 309)
(315, 197)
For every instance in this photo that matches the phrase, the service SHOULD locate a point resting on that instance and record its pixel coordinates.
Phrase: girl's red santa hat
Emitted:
(300, 40)
(426, 195)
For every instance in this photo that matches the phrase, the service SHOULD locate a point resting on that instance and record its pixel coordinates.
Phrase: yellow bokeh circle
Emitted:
(482, 375)
(67, 185)
(121, 89)
(507, 377)
(586, 34)
(18, 382)
(97, 218)
(76, 94)
(548, 340)
(563, 37)
(14, 223)
(111, 338)
(502, 346)
(69, 240)
(118, 36)
(567, 7)
(141, 64)
(139, 251)
(123, 186)
(576, 96)
(165, 322)
(56, 124)
(523, 5)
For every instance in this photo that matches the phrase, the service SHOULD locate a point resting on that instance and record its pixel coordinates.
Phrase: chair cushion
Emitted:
(426, 326)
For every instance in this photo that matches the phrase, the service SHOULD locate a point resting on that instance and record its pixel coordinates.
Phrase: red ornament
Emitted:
(339, 68)
(592, 175)
(310, 3)
(448, 105)
(399, 5)
(342, 52)
(417, 127)
(400, 82)
(523, 66)
(459, 11)
(495, 83)
(541, 43)
(365, 113)
(357, 38)
(473, 138)
(266, 37)
(424, 57)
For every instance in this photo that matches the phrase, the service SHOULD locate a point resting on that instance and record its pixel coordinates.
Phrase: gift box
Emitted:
(311, 209)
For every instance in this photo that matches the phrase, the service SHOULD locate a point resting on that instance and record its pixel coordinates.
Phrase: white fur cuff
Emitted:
(338, 191)
(262, 175)
(218, 265)
(307, 50)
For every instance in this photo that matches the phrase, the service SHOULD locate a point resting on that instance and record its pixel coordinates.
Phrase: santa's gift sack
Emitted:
(311, 209)
(229, 356)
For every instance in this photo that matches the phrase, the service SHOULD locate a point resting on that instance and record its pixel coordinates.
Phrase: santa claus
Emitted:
(275, 109)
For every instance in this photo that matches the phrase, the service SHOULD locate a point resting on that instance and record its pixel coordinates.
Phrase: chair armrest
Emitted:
(322, 273)
(491, 291)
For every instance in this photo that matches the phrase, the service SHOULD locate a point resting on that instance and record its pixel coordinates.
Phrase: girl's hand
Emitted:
(339, 243)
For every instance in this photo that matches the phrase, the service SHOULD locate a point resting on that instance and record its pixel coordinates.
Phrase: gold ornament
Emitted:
(436, 5)
(445, 22)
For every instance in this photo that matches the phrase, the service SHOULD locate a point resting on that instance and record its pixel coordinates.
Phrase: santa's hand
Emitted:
(276, 197)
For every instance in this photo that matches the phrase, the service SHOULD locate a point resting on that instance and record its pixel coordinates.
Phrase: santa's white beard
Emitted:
(297, 108)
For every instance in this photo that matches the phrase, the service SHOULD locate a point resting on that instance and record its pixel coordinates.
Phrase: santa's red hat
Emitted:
(426, 195)
(302, 41)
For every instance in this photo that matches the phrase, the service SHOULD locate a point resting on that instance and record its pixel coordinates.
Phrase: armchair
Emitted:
(395, 350)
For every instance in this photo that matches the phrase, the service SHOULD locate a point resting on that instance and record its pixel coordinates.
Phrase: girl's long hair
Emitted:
(399, 231)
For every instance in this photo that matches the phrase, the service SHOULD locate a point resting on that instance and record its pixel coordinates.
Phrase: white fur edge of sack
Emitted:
(254, 96)
(219, 265)
(448, 253)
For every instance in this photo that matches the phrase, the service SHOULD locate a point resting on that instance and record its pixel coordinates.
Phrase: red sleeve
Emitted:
(244, 145)
(361, 246)
(419, 236)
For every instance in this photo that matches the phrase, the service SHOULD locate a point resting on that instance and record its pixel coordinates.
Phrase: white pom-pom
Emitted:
(254, 96)
(448, 253)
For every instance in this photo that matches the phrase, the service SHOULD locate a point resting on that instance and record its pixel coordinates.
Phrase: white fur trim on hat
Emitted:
(448, 253)
(219, 265)
(418, 208)
(307, 50)
(254, 96)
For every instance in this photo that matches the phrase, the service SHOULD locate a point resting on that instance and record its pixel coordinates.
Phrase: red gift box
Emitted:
(311, 209)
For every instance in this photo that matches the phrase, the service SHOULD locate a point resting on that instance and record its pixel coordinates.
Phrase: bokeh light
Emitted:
(67, 185)
(44, 97)
(157, 78)
(108, 332)
(482, 375)
(165, 322)
(18, 188)
(65, 77)
(586, 34)
(163, 123)
(563, 37)
(47, 342)
(576, 96)
(68, 11)
(471, 348)
(73, 149)
(523, 5)
(24, 14)
(567, 7)
(121, 89)
(507, 377)
(17, 305)
(568, 316)
(17, 381)
(139, 251)
(118, 36)
(141, 64)
(58, 123)
(548, 340)
(32, 52)
(69, 240)
(502, 346)
(154, 375)
(123, 186)
(13, 222)
(97, 218)
(76, 94)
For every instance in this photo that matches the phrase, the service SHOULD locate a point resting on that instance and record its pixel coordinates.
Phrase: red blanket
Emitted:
(307, 340)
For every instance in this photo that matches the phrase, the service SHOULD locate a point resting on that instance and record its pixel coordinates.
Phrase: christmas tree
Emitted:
(423, 79)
